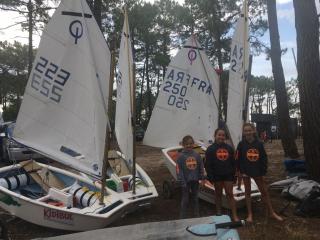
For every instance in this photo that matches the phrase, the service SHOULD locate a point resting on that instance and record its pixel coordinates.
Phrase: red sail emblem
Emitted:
(222, 154)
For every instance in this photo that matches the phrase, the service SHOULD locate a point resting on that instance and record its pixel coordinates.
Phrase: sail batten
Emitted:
(186, 102)
(63, 113)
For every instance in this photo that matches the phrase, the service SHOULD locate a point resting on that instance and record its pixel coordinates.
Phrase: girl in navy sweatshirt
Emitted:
(220, 167)
(189, 171)
(252, 163)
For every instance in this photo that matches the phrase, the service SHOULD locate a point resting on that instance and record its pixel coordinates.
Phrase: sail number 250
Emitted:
(178, 93)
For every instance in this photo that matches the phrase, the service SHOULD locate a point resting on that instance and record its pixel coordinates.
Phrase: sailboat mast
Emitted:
(134, 131)
(246, 105)
(132, 100)
(108, 130)
(245, 54)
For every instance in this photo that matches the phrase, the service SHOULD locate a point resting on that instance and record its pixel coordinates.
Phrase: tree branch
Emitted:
(12, 10)
(12, 25)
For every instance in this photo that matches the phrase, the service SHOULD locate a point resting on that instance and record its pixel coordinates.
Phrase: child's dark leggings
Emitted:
(192, 187)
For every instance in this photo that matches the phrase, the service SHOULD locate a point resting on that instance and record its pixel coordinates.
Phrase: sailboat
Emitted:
(237, 106)
(187, 104)
(64, 116)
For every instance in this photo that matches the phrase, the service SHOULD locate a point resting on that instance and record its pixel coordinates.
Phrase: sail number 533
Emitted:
(178, 93)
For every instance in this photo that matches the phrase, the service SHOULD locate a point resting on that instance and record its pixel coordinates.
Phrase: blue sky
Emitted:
(287, 33)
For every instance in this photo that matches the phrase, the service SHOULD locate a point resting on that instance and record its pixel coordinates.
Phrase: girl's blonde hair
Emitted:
(247, 124)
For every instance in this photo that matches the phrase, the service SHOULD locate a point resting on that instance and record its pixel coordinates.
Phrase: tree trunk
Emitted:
(307, 26)
(141, 95)
(30, 25)
(287, 138)
(149, 107)
(97, 12)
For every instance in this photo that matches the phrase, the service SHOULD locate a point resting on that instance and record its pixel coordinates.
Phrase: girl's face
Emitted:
(220, 136)
(248, 133)
(188, 145)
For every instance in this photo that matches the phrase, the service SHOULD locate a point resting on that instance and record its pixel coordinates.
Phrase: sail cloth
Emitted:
(238, 77)
(187, 100)
(64, 109)
(123, 123)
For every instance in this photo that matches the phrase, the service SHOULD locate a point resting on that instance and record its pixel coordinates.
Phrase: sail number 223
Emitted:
(178, 93)
(49, 79)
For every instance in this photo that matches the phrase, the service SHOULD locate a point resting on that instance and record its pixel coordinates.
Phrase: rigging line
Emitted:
(207, 75)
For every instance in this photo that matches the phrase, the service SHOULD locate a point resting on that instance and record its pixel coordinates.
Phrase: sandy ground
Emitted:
(166, 209)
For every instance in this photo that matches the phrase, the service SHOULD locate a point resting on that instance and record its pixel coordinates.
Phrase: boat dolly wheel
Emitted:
(167, 189)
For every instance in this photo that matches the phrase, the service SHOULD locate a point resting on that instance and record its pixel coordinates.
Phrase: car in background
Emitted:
(139, 133)
(12, 151)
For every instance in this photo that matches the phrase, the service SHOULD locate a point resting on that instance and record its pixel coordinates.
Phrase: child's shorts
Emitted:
(223, 178)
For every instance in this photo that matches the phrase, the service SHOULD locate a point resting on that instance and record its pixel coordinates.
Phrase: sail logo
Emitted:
(49, 79)
(75, 27)
(192, 55)
(76, 30)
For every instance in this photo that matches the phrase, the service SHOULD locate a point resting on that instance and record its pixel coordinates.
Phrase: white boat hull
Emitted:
(39, 212)
(207, 192)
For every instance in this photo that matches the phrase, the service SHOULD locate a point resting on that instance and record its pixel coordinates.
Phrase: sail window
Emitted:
(70, 152)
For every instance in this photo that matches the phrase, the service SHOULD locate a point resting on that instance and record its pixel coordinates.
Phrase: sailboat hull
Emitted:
(50, 209)
(207, 192)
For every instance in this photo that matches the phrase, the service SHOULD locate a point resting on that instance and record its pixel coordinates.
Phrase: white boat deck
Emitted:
(175, 229)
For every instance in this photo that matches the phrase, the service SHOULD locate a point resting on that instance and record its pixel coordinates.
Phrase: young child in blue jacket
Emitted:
(189, 171)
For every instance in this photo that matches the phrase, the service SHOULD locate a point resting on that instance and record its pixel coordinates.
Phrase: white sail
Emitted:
(64, 110)
(187, 100)
(238, 77)
(123, 123)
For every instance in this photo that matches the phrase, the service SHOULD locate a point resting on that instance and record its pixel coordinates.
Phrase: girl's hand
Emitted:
(202, 183)
(205, 173)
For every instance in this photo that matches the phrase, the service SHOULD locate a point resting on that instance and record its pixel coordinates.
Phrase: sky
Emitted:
(260, 65)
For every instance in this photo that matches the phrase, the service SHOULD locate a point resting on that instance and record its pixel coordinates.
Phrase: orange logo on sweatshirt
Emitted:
(222, 154)
(253, 155)
(191, 163)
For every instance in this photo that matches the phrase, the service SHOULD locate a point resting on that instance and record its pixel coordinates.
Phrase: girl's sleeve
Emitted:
(208, 165)
(263, 157)
(233, 160)
(179, 171)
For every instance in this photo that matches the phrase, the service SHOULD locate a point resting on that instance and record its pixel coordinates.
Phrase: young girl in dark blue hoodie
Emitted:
(252, 163)
(220, 167)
